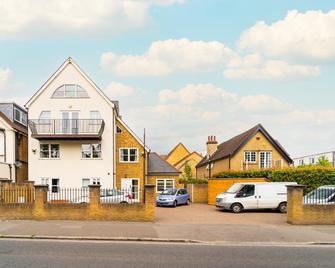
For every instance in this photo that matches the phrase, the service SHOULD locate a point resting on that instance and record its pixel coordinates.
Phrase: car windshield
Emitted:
(169, 192)
(322, 193)
(234, 189)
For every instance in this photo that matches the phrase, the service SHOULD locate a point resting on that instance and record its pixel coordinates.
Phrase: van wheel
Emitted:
(236, 208)
(282, 207)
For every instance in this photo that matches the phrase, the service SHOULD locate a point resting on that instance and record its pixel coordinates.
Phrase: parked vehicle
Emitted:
(257, 195)
(108, 196)
(322, 195)
(173, 197)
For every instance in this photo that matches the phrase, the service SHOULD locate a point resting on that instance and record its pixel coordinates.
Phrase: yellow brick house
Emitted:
(253, 149)
(137, 166)
(179, 156)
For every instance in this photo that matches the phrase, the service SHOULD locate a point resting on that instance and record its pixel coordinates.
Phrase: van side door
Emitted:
(269, 196)
(247, 196)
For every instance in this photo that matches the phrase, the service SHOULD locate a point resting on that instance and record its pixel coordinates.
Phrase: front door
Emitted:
(131, 186)
(70, 122)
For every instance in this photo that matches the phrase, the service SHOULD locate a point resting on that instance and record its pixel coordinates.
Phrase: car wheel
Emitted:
(188, 202)
(236, 208)
(174, 203)
(282, 207)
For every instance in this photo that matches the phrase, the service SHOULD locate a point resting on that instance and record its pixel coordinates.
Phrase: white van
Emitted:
(254, 195)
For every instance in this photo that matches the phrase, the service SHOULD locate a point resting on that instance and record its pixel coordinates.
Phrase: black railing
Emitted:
(68, 195)
(66, 126)
(321, 196)
(125, 196)
(57, 195)
(17, 195)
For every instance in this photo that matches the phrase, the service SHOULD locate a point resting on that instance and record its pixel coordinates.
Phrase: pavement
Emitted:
(194, 223)
(49, 253)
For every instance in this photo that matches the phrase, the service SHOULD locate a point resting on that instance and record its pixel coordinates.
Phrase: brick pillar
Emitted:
(94, 201)
(150, 202)
(295, 195)
(41, 198)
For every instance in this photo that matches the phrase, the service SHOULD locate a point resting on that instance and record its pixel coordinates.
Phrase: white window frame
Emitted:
(64, 96)
(164, 180)
(128, 161)
(58, 185)
(23, 117)
(207, 166)
(2, 143)
(250, 157)
(49, 151)
(82, 182)
(266, 163)
(91, 151)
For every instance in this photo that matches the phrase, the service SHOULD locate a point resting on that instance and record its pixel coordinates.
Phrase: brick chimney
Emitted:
(212, 144)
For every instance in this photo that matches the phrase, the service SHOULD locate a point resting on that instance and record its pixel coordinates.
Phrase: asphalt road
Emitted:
(47, 253)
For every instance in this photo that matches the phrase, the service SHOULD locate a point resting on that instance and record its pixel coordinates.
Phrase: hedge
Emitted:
(192, 181)
(312, 177)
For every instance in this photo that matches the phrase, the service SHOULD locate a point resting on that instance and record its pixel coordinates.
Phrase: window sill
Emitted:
(123, 162)
(49, 158)
(92, 158)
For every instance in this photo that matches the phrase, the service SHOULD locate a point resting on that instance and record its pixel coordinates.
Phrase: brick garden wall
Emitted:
(40, 209)
(307, 214)
(198, 192)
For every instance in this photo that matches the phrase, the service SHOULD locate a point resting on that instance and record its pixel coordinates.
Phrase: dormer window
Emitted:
(20, 116)
(70, 91)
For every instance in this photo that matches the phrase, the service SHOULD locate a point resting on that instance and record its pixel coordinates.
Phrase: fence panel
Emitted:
(321, 195)
(17, 195)
(68, 195)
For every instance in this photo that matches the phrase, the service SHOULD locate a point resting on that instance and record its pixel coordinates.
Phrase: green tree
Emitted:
(187, 172)
(323, 162)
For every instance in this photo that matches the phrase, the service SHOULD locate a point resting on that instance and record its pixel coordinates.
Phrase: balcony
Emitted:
(67, 129)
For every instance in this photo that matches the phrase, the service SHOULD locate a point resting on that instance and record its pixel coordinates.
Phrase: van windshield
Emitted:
(234, 189)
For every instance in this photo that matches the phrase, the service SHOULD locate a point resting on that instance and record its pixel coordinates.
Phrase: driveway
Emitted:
(206, 223)
(205, 214)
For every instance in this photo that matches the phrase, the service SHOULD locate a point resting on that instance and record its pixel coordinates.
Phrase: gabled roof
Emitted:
(59, 70)
(16, 127)
(132, 133)
(187, 156)
(179, 145)
(158, 166)
(232, 146)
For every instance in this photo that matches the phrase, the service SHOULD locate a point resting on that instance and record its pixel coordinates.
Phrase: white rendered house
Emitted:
(313, 159)
(71, 131)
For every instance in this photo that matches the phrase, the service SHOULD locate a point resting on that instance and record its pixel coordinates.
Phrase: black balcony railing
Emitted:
(67, 128)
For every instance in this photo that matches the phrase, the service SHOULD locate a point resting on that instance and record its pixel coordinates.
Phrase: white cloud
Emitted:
(169, 56)
(269, 69)
(4, 77)
(306, 35)
(193, 112)
(115, 90)
(33, 17)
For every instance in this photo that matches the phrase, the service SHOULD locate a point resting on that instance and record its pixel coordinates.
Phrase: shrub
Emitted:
(193, 181)
(311, 176)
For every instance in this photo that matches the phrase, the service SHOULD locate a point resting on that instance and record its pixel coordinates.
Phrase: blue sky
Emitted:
(215, 71)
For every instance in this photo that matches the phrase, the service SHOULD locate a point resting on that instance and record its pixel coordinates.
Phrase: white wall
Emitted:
(9, 151)
(308, 159)
(70, 168)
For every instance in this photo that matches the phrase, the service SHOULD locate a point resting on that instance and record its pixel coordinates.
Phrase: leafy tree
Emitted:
(323, 162)
(187, 172)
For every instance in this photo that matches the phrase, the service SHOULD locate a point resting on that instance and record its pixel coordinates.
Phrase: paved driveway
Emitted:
(205, 214)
